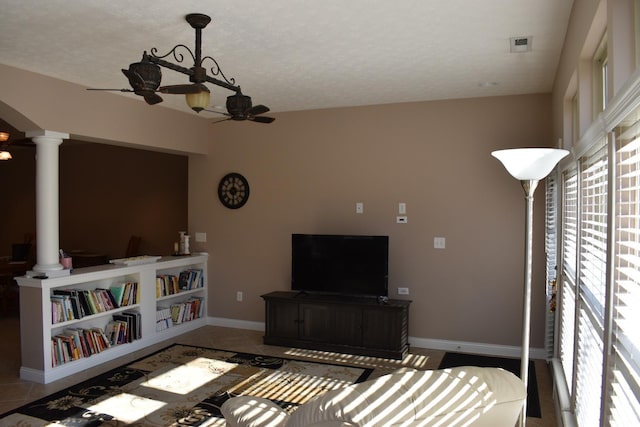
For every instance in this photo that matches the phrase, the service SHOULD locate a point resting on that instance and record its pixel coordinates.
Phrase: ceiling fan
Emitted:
(145, 78)
(239, 108)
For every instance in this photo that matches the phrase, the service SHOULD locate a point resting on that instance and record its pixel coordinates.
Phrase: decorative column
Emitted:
(47, 203)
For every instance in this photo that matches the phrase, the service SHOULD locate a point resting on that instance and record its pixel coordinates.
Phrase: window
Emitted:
(623, 403)
(598, 311)
(592, 266)
(550, 248)
(567, 291)
(600, 77)
(575, 119)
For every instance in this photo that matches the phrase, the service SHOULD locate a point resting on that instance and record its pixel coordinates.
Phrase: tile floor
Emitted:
(15, 392)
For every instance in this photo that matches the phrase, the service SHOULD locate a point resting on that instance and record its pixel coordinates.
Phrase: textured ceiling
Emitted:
(299, 54)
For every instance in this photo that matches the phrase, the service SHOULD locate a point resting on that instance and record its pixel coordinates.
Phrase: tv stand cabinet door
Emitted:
(385, 328)
(331, 324)
(283, 319)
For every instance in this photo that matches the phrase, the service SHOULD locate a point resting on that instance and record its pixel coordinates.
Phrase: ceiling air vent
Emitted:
(521, 44)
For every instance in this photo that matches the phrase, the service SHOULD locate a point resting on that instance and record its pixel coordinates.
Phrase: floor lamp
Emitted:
(529, 166)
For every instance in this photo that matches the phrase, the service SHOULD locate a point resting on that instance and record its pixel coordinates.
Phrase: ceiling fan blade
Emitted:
(181, 89)
(257, 109)
(113, 90)
(150, 97)
(262, 119)
(218, 112)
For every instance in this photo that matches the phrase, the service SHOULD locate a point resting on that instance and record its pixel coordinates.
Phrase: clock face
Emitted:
(233, 190)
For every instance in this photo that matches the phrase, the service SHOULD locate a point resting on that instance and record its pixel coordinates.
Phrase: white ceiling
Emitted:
(299, 54)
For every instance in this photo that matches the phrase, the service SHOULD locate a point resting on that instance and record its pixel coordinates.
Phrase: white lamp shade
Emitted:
(530, 163)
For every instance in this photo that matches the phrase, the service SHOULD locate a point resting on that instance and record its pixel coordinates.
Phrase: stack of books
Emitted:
(186, 311)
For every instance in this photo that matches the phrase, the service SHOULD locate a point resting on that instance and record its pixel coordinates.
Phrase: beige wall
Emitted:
(31, 101)
(107, 194)
(308, 169)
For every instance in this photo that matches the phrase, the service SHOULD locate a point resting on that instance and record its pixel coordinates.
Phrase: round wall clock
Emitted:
(233, 190)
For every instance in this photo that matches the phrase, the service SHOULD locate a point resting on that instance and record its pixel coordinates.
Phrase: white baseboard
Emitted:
(235, 323)
(475, 348)
(35, 375)
(433, 344)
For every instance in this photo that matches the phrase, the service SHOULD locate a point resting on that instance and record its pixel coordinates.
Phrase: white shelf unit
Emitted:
(36, 327)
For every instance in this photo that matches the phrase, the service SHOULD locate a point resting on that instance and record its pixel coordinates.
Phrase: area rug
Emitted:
(451, 360)
(183, 385)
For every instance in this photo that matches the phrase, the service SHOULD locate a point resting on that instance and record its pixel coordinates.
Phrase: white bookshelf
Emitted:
(37, 329)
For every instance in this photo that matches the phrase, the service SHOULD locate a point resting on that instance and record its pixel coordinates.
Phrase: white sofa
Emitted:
(463, 396)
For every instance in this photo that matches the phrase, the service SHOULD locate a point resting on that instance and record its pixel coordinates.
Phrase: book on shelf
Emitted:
(108, 297)
(73, 304)
(170, 284)
(163, 318)
(130, 294)
(77, 343)
(137, 323)
(187, 310)
(121, 293)
(167, 284)
(72, 294)
(191, 279)
(61, 310)
(125, 327)
(117, 332)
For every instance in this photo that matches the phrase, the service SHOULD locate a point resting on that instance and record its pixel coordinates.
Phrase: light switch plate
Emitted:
(439, 242)
(201, 237)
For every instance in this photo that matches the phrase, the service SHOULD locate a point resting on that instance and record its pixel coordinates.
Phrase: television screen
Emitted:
(339, 264)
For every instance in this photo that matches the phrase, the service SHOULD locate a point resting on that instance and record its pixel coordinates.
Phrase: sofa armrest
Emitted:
(250, 411)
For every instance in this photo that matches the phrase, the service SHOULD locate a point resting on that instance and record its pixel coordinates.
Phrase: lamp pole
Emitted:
(529, 186)
(529, 166)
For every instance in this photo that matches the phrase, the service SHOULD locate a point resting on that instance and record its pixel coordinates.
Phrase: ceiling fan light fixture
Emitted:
(4, 136)
(145, 77)
(200, 100)
(5, 155)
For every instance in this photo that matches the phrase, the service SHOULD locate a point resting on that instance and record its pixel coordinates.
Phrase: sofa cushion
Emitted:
(249, 411)
(467, 395)
(457, 396)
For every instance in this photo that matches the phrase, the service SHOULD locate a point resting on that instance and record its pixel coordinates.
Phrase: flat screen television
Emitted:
(340, 264)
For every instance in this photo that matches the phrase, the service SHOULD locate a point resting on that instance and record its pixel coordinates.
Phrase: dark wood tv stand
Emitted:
(354, 325)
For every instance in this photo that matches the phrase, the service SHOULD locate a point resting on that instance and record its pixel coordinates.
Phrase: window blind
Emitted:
(592, 256)
(567, 295)
(550, 248)
(593, 230)
(623, 402)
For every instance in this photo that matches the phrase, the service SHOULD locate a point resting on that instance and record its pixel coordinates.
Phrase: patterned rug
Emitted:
(183, 385)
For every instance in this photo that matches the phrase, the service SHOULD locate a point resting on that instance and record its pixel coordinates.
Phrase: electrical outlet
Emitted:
(403, 291)
(239, 296)
(402, 208)
(201, 237)
(439, 242)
